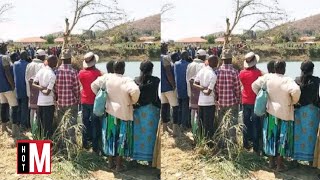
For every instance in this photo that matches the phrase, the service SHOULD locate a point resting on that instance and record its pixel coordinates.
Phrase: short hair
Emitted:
(270, 66)
(280, 66)
(110, 67)
(119, 66)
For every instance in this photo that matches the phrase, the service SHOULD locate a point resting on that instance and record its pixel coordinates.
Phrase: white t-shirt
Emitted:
(46, 78)
(207, 78)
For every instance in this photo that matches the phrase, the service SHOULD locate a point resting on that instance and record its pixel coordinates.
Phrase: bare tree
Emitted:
(263, 13)
(4, 7)
(164, 9)
(104, 12)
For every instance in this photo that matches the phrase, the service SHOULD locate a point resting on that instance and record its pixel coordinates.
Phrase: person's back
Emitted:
(122, 92)
(148, 91)
(247, 77)
(165, 84)
(309, 90)
(86, 77)
(5, 85)
(180, 69)
(67, 85)
(227, 86)
(19, 69)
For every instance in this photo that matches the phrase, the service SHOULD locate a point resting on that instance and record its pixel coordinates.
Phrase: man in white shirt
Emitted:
(205, 82)
(193, 94)
(31, 71)
(44, 81)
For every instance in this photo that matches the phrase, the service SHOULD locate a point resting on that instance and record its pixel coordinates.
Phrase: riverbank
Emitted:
(181, 159)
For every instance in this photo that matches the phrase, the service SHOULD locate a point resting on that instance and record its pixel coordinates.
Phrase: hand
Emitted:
(30, 81)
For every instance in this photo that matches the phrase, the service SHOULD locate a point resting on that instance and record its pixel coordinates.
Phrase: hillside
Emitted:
(306, 26)
(150, 25)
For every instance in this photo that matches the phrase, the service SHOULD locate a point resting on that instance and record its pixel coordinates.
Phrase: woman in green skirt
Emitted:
(118, 125)
(283, 93)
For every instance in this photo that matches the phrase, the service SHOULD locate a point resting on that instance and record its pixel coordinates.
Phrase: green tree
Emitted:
(211, 39)
(50, 39)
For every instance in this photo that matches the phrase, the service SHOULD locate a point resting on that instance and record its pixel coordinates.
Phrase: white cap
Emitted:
(41, 52)
(201, 52)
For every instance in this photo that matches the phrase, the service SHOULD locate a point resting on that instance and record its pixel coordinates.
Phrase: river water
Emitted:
(132, 68)
(293, 68)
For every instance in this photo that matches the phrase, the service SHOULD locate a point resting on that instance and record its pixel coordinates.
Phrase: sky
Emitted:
(191, 18)
(35, 18)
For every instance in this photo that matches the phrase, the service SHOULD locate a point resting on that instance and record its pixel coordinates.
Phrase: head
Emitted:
(24, 55)
(250, 60)
(213, 61)
(280, 67)
(3, 48)
(164, 48)
(175, 57)
(41, 54)
(226, 56)
(146, 67)
(14, 57)
(110, 66)
(184, 55)
(270, 66)
(307, 67)
(201, 54)
(66, 56)
(119, 67)
(52, 61)
(90, 60)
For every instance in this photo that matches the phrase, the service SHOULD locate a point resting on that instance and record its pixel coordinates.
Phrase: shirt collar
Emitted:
(198, 60)
(227, 65)
(37, 60)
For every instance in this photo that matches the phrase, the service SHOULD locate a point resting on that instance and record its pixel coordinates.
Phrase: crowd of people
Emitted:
(197, 93)
(42, 94)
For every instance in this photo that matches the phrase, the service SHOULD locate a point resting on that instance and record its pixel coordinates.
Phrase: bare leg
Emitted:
(271, 162)
(119, 166)
(110, 162)
(280, 165)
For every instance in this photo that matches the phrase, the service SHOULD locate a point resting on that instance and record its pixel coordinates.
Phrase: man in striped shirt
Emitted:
(228, 92)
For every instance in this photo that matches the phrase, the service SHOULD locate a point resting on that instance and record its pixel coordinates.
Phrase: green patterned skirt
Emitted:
(117, 137)
(277, 136)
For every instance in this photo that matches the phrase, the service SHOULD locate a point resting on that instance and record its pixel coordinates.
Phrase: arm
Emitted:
(133, 91)
(294, 91)
(97, 84)
(28, 79)
(257, 84)
(50, 87)
(76, 87)
(237, 88)
(170, 76)
(211, 86)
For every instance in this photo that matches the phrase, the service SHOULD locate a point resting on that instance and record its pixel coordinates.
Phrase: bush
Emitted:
(154, 51)
(314, 52)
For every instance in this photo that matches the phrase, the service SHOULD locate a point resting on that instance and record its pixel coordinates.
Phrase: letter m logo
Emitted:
(34, 157)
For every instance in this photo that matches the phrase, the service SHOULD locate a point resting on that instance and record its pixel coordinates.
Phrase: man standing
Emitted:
(33, 93)
(252, 131)
(7, 95)
(193, 93)
(205, 82)
(44, 81)
(180, 70)
(67, 91)
(228, 92)
(19, 71)
(91, 122)
(168, 92)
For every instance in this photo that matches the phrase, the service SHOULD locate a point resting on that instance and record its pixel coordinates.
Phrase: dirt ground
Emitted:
(180, 161)
(70, 170)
